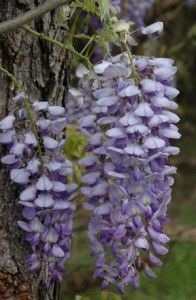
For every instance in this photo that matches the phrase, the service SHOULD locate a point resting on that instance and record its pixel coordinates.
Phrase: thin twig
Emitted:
(31, 15)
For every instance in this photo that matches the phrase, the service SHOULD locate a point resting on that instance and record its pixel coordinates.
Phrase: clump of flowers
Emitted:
(33, 139)
(128, 180)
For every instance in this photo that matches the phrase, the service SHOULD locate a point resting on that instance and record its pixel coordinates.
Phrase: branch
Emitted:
(30, 15)
(63, 46)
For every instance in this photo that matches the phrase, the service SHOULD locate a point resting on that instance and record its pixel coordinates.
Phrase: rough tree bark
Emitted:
(42, 69)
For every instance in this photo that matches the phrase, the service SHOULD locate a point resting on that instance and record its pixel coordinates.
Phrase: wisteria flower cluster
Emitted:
(128, 180)
(33, 139)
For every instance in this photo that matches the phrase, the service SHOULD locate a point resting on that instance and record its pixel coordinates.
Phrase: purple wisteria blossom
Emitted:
(128, 180)
(45, 195)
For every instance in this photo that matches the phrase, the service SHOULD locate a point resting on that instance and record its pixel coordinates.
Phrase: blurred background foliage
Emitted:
(177, 276)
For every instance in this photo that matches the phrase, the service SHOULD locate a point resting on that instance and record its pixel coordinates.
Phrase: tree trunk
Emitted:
(42, 70)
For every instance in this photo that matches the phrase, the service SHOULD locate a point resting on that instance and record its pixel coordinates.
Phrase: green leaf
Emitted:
(104, 6)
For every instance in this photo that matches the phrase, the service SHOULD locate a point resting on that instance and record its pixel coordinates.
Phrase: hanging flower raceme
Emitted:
(128, 180)
(38, 166)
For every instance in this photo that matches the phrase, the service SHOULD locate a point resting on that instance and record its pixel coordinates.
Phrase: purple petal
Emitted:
(171, 92)
(159, 249)
(106, 120)
(107, 101)
(117, 174)
(56, 111)
(104, 92)
(165, 73)
(7, 123)
(57, 251)
(153, 30)
(120, 231)
(129, 91)
(154, 142)
(99, 69)
(115, 132)
(28, 194)
(144, 110)
(9, 159)
(42, 105)
(24, 226)
(50, 236)
(170, 133)
(142, 243)
(58, 125)
(58, 186)
(7, 137)
(33, 166)
(90, 178)
(87, 161)
(18, 149)
(61, 204)
(44, 200)
(36, 225)
(100, 189)
(43, 124)
(87, 121)
(173, 118)
(30, 139)
(154, 260)
(148, 271)
(134, 149)
(96, 139)
(149, 86)
(134, 208)
(44, 184)
(20, 176)
(49, 143)
(103, 209)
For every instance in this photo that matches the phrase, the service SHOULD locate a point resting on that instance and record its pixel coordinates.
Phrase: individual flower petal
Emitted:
(103, 209)
(115, 132)
(154, 142)
(99, 69)
(44, 200)
(7, 137)
(144, 110)
(148, 271)
(20, 176)
(33, 165)
(149, 86)
(134, 149)
(153, 31)
(57, 251)
(40, 105)
(165, 73)
(30, 139)
(61, 204)
(159, 249)
(129, 91)
(107, 101)
(58, 186)
(87, 161)
(43, 124)
(56, 111)
(141, 242)
(18, 149)
(90, 178)
(7, 123)
(87, 121)
(44, 183)
(28, 194)
(49, 143)
(81, 71)
(9, 159)
(104, 92)
(57, 126)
